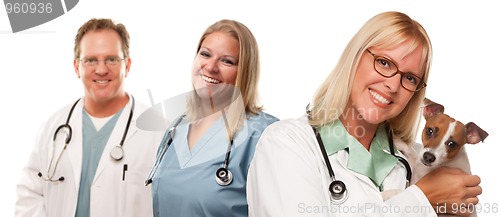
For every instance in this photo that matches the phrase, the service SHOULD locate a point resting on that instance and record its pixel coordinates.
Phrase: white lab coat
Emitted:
(288, 177)
(110, 195)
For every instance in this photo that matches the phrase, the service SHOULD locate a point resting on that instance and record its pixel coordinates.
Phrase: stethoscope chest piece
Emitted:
(116, 153)
(338, 191)
(223, 176)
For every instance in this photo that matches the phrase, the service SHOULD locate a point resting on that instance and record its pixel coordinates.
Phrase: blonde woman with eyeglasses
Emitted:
(338, 159)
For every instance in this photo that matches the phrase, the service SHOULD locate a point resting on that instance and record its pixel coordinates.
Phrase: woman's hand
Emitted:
(450, 190)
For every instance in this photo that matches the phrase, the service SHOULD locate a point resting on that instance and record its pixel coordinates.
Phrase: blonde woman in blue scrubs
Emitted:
(221, 126)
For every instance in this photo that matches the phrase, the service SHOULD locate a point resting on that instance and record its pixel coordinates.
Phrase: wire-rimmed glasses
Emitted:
(92, 62)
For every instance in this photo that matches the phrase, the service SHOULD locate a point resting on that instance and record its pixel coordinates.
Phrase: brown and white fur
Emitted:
(443, 141)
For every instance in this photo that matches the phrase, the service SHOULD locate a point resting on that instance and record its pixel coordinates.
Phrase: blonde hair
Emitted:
(247, 75)
(385, 30)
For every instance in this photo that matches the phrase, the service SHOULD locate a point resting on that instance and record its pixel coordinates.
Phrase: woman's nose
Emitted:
(211, 65)
(393, 83)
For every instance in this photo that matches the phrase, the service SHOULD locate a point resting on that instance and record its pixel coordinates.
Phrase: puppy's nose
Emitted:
(429, 157)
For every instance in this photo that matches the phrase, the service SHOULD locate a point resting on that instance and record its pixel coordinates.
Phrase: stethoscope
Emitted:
(116, 153)
(223, 176)
(337, 188)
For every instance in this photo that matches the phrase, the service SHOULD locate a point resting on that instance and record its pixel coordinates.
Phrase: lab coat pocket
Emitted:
(136, 197)
(123, 189)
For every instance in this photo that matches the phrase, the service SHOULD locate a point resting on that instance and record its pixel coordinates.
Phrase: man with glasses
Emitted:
(90, 159)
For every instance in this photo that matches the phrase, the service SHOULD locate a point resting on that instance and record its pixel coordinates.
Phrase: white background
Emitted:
(300, 42)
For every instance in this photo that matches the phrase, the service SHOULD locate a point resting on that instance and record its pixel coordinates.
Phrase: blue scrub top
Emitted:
(184, 184)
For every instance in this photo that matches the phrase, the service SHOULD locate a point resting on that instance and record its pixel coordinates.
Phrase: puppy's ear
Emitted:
(431, 108)
(474, 133)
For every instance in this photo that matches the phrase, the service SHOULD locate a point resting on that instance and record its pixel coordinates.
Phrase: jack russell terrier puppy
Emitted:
(443, 141)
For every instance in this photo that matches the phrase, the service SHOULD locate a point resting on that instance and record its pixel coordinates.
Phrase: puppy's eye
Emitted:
(451, 144)
(429, 132)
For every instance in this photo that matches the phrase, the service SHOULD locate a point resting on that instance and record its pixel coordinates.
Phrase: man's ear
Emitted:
(77, 68)
(127, 67)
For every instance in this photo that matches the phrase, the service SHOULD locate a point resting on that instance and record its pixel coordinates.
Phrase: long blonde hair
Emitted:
(385, 30)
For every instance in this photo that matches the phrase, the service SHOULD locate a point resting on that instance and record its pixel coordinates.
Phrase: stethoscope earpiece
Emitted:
(60, 179)
(223, 176)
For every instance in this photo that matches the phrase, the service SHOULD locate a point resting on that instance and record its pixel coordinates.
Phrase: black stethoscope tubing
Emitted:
(116, 153)
(337, 188)
(400, 159)
(164, 145)
(223, 175)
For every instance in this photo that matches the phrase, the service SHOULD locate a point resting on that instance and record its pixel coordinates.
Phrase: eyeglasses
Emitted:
(388, 69)
(93, 62)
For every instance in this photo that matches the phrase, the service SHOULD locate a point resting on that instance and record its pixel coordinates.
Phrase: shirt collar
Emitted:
(375, 164)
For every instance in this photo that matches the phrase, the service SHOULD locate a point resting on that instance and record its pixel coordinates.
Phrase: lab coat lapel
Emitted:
(74, 148)
(343, 157)
(115, 138)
